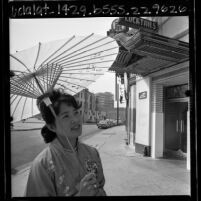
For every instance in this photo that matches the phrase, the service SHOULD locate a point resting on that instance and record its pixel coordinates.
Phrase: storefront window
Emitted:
(178, 91)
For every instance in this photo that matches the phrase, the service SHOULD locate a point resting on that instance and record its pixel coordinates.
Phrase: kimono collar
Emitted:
(55, 143)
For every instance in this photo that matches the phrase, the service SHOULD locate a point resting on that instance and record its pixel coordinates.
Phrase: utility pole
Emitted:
(96, 102)
(117, 98)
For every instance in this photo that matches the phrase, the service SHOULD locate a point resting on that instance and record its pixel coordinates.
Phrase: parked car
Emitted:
(103, 124)
(114, 122)
(119, 122)
(110, 122)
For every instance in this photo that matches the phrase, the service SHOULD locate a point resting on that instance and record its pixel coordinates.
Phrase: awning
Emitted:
(146, 52)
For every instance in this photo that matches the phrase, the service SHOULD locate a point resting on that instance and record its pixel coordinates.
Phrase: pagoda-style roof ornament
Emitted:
(146, 52)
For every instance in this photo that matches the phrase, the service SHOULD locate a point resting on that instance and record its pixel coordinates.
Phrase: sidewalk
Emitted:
(29, 124)
(126, 172)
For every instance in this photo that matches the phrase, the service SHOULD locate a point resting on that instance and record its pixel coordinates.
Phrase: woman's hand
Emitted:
(88, 185)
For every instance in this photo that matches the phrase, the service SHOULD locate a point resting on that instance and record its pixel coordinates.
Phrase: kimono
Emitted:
(57, 172)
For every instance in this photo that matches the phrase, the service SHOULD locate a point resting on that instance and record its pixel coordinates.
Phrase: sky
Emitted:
(25, 33)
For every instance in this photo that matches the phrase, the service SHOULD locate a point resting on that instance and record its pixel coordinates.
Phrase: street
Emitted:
(26, 145)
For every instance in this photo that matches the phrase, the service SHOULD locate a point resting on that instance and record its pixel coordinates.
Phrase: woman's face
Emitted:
(68, 121)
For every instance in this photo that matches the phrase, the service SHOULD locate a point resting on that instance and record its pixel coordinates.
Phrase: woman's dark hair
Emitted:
(56, 97)
(48, 135)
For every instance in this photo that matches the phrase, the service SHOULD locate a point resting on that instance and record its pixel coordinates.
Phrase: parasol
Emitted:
(72, 64)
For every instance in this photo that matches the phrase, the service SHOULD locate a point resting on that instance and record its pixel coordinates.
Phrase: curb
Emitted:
(26, 129)
(34, 122)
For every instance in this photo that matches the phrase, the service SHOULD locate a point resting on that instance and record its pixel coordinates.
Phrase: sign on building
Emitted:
(116, 27)
(143, 95)
(138, 23)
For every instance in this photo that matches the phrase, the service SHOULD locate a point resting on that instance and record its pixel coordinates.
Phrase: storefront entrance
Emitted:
(176, 126)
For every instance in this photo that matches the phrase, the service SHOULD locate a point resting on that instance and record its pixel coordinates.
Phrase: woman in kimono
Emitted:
(58, 170)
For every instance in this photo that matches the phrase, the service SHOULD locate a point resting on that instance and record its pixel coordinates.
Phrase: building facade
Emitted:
(156, 63)
(104, 103)
(88, 102)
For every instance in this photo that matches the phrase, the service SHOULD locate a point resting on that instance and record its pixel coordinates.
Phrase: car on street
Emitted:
(108, 123)
(120, 122)
(103, 124)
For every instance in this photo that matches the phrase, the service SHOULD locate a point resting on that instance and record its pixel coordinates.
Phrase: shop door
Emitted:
(176, 126)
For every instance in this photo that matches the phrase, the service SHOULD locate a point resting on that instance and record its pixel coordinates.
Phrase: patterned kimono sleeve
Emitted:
(39, 182)
(102, 177)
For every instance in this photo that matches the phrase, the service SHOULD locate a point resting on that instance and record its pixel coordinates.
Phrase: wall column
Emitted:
(128, 120)
(132, 118)
(157, 122)
(157, 135)
(143, 116)
(188, 141)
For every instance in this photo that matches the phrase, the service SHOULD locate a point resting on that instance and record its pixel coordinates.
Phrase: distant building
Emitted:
(104, 101)
(88, 102)
(104, 104)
